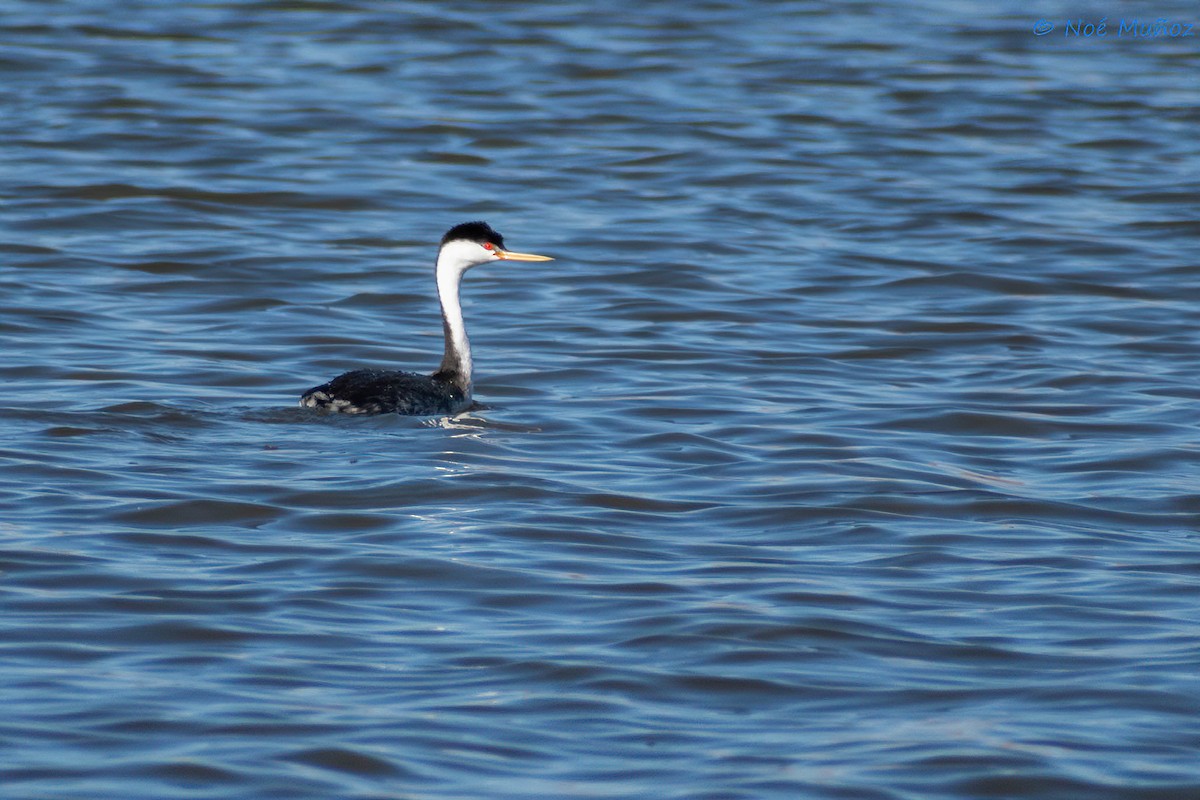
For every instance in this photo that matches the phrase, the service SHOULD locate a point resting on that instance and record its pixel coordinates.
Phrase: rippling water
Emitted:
(849, 448)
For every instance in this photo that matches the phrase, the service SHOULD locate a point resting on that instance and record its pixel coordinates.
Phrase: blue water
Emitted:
(849, 448)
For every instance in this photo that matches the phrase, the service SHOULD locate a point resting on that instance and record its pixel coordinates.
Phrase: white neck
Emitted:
(450, 268)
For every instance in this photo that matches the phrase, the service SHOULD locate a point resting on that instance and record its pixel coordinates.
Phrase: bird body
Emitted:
(381, 391)
(447, 391)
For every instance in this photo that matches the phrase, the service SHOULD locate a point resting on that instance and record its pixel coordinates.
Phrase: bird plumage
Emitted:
(448, 390)
(381, 391)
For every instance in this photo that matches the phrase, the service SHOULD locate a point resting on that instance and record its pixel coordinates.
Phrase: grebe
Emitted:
(447, 391)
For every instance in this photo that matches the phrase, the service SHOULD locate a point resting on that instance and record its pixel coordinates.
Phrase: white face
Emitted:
(461, 254)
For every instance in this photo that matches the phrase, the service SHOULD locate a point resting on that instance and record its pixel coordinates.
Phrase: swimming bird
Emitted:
(447, 391)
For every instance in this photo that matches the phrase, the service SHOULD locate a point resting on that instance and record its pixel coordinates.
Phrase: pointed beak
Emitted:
(508, 255)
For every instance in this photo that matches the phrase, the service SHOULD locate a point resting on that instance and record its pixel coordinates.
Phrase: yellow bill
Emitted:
(509, 255)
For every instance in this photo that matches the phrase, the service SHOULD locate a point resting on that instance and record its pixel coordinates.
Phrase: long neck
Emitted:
(456, 363)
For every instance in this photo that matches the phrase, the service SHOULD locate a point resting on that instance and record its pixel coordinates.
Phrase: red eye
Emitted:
(487, 245)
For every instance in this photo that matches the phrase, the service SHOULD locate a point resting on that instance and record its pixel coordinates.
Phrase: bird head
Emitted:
(473, 243)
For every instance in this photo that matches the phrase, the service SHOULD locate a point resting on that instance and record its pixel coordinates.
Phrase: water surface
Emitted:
(848, 449)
